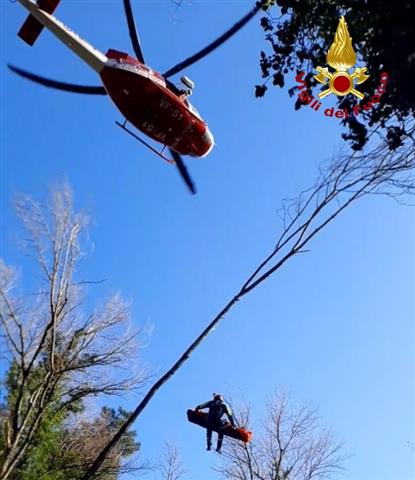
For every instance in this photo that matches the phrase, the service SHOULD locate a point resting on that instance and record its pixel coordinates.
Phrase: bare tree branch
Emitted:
(171, 465)
(341, 182)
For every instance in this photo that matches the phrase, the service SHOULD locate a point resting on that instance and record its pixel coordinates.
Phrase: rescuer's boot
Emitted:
(219, 445)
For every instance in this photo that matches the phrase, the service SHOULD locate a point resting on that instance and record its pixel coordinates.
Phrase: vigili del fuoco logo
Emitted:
(341, 57)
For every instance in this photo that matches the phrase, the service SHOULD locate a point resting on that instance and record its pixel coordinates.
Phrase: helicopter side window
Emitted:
(172, 87)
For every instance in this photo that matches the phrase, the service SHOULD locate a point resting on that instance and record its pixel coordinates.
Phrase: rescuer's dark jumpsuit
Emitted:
(217, 408)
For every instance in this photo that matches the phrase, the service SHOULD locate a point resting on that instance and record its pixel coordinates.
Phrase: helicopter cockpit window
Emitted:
(193, 109)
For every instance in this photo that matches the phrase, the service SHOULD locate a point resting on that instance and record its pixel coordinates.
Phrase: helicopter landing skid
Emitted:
(154, 150)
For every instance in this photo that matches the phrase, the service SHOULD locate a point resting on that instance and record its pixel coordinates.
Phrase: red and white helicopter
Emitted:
(146, 98)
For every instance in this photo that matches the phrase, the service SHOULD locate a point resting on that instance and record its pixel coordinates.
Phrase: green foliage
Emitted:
(64, 442)
(383, 35)
(116, 418)
(45, 460)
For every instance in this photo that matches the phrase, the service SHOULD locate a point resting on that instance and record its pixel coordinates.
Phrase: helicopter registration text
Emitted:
(175, 112)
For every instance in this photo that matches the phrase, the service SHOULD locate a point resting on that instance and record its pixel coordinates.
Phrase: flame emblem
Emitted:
(341, 57)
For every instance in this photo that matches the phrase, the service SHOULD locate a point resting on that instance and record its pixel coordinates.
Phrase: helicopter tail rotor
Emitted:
(32, 28)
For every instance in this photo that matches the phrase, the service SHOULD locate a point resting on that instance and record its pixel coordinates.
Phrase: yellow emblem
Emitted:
(341, 57)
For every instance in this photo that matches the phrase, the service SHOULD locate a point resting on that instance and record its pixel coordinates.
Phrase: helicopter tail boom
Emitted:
(32, 28)
(38, 15)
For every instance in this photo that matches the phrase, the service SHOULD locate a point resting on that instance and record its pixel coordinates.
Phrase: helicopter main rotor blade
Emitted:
(67, 87)
(216, 43)
(133, 31)
(183, 170)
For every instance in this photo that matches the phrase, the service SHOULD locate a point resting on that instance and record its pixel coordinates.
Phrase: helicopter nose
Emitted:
(208, 142)
(202, 144)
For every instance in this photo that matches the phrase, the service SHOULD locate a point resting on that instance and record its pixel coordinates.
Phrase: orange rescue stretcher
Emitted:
(200, 418)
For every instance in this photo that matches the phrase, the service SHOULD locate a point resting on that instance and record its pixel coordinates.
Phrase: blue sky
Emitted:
(334, 327)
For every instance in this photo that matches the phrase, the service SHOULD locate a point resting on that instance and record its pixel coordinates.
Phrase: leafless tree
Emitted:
(171, 465)
(53, 346)
(290, 446)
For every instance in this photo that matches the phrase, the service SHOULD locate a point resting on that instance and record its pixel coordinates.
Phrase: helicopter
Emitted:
(147, 99)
